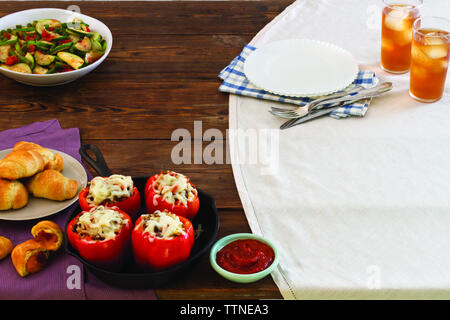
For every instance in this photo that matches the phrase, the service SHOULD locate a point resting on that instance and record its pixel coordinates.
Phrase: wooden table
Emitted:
(161, 75)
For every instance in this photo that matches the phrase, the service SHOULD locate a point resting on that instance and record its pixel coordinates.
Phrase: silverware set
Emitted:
(322, 106)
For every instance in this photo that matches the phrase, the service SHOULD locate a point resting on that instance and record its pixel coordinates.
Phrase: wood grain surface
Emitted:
(161, 75)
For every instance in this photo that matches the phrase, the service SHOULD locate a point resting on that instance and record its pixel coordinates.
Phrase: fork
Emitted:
(310, 105)
(354, 95)
(314, 114)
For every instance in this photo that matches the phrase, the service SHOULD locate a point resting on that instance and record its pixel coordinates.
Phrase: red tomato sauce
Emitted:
(245, 256)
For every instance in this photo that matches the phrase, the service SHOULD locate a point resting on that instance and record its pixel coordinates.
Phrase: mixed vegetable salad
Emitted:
(49, 46)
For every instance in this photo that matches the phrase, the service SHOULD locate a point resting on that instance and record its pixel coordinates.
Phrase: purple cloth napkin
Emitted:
(64, 277)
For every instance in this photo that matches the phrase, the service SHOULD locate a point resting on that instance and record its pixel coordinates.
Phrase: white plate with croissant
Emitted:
(36, 182)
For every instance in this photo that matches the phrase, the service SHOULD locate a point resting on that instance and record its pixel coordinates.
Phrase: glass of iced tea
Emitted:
(396, 33)
(429, 58)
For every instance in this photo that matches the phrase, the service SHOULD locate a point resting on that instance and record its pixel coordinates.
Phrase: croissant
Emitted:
(21, 164)
(6, 247)
(49, 234)
(29, 257)
(51, 184)
(52, 161)
(13, 195)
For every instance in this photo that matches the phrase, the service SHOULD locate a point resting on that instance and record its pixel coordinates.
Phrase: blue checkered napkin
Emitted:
(235, 81)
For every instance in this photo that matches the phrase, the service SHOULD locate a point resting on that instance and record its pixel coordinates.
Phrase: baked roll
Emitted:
(29, 257)
(49, 234)
(51, 184)
(6, 247)
(21, 164)
(13, 195)
(52, 161)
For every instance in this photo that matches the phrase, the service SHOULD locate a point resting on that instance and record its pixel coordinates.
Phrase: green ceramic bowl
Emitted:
(235, 277)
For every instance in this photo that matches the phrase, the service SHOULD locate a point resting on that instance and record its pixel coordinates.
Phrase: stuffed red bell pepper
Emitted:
(173, 192)
(101, 236)
(161, 239)
(115, 190)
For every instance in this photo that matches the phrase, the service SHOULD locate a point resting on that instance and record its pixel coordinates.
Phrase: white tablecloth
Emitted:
(359, 208)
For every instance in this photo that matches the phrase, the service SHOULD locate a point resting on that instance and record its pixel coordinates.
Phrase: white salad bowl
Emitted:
(28, 16)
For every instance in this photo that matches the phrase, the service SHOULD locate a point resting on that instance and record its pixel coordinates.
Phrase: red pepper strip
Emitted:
(7, 36)
(155, 202)
(131, 205)
(11, 60)
(108, 254)
(47, 36)
(154, 253)
(30, 37)
(31, 48)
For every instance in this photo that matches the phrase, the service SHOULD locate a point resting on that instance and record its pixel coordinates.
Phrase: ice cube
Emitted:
(433, 39)
(404, 37)
(419, 56)
(439, 66)
(396, 19)
(418, 72)
(436, 52)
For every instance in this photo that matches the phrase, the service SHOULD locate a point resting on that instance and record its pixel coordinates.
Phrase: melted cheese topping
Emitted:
(110, 189)
(162, 224)
(174, 187)
(100, 223)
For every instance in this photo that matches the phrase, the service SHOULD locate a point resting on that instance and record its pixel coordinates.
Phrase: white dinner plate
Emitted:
(39, 208)
(301, 68)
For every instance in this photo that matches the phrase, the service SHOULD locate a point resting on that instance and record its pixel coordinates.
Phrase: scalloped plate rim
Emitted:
(299, 95)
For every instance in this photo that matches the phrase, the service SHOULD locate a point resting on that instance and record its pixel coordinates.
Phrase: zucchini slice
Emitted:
(71, 59)
(4, 52)
(19, 67)
(39, 70)
(80, 32)
(44, 43)
(96, 46)
(84, 27)
(84, 45)
(40, 25)
(96, 36)
(74, 38)
(43, 59)
(92, 56)
(30, 58)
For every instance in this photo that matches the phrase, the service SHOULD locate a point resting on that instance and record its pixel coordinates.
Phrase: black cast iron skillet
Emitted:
(206, 221)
